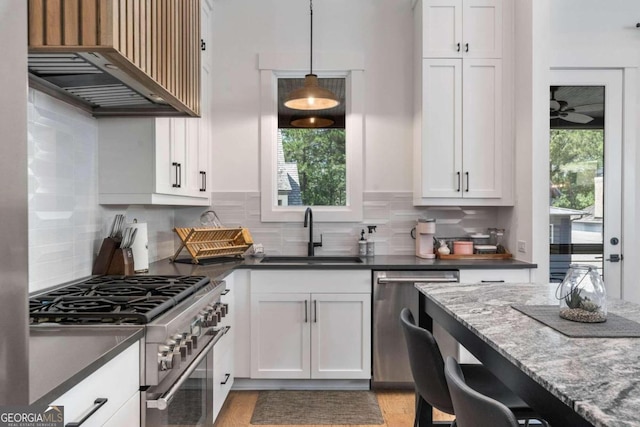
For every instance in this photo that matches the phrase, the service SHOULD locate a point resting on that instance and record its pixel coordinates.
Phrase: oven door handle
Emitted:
(382, 280)
(163, 401)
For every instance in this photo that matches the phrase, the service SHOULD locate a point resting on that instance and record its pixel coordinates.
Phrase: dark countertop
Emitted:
(62, 356)
(218, 269)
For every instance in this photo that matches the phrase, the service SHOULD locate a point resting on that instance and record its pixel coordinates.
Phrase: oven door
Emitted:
(185, 398)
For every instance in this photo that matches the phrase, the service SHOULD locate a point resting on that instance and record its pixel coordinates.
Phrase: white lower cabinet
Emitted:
(222, 371)
(118, 381)
(310, 324)
(223, 360)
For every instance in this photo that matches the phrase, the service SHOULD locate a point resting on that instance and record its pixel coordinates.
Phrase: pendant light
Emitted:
(311, 96)
(312, 122)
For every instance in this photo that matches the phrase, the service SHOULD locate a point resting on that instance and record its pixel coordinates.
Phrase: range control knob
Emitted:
(165, 358)
(186, 339)
(225, 309)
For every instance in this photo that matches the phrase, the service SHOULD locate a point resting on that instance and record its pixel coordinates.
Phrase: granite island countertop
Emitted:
(598, 377)
(62, 356)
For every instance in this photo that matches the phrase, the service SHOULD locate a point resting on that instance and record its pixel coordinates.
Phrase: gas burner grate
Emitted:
(114, 299)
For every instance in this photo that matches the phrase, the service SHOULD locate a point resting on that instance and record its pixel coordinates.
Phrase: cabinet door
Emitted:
(117, 381)
(222, 371)
(441, 128)
(170, 141)
(280, 335)
(482, 29)
(482, 128)
(128, 415)
(442, 29)
(192, 170)
(341, 336)
(179, 153)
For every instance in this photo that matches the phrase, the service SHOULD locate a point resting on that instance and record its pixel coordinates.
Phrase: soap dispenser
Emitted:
(362, 245)
(371, 245)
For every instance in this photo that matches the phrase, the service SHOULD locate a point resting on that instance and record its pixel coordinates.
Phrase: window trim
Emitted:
(273, 67)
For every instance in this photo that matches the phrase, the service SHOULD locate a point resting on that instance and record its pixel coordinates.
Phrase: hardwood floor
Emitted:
(397, 409)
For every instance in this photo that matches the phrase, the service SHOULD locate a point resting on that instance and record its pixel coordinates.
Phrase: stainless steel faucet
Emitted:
(308, 219)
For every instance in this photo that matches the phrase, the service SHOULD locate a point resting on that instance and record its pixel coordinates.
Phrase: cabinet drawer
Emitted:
(326, 281)
(117, 381)
(522, 275)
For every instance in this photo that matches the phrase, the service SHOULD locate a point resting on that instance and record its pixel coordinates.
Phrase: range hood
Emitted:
(118, 57)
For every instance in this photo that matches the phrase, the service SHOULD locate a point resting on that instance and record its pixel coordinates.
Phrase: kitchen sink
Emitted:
(311, 260)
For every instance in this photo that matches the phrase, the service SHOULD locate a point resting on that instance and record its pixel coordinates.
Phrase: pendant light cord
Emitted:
(311, 38)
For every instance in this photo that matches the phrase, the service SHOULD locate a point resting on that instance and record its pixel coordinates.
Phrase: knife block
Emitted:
(121, 263)
(105, 256)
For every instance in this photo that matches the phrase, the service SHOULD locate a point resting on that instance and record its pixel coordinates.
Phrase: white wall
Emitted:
(382, 31)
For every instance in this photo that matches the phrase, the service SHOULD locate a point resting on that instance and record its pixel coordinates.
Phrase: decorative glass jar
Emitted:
(582, 295)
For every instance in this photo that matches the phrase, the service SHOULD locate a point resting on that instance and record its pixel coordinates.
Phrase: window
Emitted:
(311, 164)
(302, 166)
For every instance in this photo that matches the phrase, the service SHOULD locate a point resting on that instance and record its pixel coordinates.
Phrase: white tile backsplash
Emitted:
(66, 223)
(392, 212)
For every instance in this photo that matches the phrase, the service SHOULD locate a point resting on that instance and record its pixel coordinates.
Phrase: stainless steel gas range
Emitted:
(183, 318)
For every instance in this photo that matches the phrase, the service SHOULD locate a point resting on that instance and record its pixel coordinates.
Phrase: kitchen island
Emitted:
(570, 381)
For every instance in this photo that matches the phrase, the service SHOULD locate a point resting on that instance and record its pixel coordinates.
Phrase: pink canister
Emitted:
(463, 248)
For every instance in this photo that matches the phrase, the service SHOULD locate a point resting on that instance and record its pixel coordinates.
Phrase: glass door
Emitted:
(585, 146)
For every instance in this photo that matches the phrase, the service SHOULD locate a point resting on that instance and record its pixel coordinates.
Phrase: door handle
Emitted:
(466, 47)
(458, 47)
(467, 175)
(458, 174)
(615, 258)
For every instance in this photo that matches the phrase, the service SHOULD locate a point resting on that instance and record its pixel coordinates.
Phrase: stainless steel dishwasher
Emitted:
(392, 291)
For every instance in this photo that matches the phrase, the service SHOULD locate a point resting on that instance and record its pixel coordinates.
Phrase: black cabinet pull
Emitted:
(203, 181)
(305, 312)
(466, 47)
(458, 47)
(467, 174)
(177, 184)
(315, 311)
(226, 291)
(226, 378)
(458, 173)
(97, 404)
(203, 45)
(492, 281)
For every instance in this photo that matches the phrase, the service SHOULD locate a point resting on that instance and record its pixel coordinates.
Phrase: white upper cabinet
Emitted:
(463, 132)
(462, 29)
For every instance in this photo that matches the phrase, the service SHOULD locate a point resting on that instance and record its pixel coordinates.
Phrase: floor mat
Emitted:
(294, 407)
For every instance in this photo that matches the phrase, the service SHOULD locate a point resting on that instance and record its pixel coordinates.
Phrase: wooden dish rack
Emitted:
(209, 242)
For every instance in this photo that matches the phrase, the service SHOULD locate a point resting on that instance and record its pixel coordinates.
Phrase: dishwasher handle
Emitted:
(383, 280)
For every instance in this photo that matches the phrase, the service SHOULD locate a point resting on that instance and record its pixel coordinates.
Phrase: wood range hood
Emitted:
(118, 57)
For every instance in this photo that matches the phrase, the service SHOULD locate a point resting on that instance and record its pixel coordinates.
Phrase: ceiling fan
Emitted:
(560, 109)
